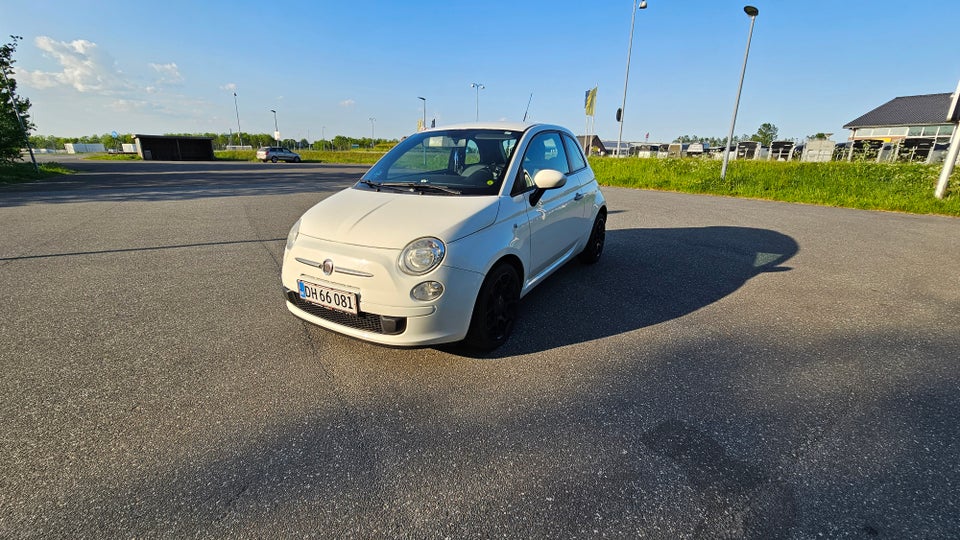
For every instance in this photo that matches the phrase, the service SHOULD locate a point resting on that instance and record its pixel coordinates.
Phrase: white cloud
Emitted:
(348, 103)
(88, 69)
(229, 87)
(85, 67)
(169, 73)
(127, 105)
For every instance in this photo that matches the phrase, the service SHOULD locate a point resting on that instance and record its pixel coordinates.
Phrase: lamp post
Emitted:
(626, 78)
(276, 130)
(237, 108)
(752, 13)
(372, 136)
(479, 87)
(424, 100)
(323, 137)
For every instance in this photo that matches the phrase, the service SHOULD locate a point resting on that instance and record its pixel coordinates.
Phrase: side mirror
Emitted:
(549, 179)
(546, 179)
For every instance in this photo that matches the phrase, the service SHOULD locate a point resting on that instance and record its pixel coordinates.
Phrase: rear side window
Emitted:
(574, 155)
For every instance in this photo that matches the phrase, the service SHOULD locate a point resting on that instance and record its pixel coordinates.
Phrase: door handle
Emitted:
(578, 196)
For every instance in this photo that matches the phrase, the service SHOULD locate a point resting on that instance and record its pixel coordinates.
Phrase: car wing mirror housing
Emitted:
(546, 179)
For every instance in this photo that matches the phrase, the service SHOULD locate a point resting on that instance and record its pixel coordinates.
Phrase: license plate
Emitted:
(328, 297)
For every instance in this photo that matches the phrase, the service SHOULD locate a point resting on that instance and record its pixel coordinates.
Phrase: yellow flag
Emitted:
(590, 102)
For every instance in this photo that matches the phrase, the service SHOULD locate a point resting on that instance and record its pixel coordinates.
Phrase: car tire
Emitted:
(598, 234)
(273, 159)
(495, 311)
(296, 159)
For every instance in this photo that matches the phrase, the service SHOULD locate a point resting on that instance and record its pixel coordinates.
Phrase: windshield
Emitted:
(452, 162)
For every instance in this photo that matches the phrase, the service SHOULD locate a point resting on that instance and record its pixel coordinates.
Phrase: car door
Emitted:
(556, 219)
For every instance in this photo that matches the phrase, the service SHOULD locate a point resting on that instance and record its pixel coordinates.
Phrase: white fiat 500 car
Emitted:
(441, 238)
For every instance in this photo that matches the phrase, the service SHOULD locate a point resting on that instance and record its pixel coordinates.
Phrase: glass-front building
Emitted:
(908, 128)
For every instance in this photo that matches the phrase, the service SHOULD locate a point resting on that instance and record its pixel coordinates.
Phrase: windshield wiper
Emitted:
(379, 185)
(413, 186)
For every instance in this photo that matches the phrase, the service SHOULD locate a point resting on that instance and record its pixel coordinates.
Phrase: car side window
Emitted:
(577, 161)
(545, 151)
(472, 156)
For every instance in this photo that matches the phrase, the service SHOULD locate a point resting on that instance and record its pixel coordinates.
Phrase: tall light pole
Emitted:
(626, 78)
(424, 100)
(752, 13)
(372, 136)
(237, 108)
(276, 130)
(479, 87)
(323, 137)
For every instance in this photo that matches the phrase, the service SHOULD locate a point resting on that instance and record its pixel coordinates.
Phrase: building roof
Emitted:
(593, 140)
(906, 111)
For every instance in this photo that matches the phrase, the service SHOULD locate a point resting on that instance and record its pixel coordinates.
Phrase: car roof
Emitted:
(507, 126)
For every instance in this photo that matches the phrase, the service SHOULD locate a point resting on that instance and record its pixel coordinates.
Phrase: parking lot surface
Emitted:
(729, 369)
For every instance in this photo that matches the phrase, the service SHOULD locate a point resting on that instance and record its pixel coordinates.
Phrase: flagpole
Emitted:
(593, 124)
(586, 132)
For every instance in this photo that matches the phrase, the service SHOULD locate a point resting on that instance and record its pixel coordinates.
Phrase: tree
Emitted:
(766, 134)
(14, 132)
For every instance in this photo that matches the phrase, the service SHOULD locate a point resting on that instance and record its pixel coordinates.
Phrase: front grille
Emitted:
(368, 322)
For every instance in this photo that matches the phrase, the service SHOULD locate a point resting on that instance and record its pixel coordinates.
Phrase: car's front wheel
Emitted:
(273, 159)
(495, 310)
(598, 235)
(296, 159)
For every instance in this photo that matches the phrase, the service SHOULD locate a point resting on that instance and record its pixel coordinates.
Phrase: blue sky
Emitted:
(327, 67)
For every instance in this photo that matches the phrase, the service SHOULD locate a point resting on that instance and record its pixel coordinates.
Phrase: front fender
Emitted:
(509, 235)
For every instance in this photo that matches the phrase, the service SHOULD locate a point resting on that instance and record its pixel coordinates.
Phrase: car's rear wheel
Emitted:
(273, 159)
(495, 311)
(598, 235)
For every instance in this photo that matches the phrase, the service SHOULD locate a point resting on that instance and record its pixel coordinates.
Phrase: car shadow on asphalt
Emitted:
(645, 277)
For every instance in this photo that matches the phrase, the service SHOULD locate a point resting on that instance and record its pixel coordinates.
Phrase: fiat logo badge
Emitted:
(327, 267)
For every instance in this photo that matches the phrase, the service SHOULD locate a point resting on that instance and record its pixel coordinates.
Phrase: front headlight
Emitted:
(421, 256)
(292, 237)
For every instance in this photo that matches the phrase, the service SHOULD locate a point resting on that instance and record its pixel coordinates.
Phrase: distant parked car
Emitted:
(277, 153)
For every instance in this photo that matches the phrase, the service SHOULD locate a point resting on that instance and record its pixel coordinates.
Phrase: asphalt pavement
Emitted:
(729, 369)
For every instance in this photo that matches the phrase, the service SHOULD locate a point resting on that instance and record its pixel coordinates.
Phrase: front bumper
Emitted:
(377, 324)
(388, 314)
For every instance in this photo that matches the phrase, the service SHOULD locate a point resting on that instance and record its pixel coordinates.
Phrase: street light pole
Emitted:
(479, 87)
(237, 108)
(626, 78)
(372, 136)
(424, 111)
(752, 13)
(276, 130)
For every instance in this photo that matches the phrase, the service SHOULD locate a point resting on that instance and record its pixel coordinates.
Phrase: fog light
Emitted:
(428, 290)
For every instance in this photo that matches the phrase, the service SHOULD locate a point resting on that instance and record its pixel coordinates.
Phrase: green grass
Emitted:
(113, 157)
(900, 187)
(19, 173)
(364, 157)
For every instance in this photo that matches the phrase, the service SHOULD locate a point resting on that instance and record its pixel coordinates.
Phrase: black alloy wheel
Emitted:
(495, 311)
(591, 253)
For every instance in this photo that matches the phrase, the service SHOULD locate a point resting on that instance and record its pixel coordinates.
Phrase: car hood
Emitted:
(392, 220)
